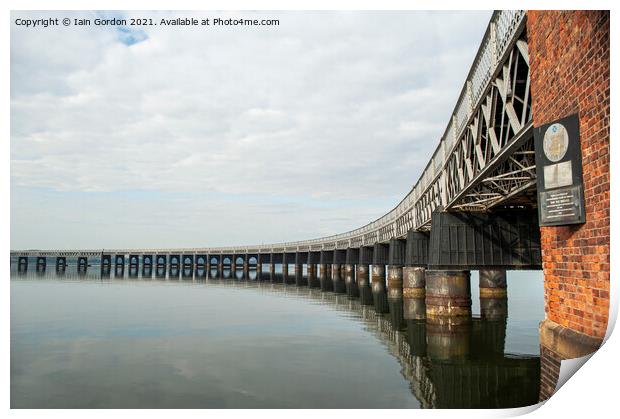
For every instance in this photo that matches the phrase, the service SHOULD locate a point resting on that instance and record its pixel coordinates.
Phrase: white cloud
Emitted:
(344, 107)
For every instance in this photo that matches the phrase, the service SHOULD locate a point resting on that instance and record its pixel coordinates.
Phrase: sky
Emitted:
(125, 136)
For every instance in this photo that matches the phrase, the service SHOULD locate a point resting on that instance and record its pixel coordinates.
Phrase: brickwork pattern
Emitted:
(549, 372)
(569, 62)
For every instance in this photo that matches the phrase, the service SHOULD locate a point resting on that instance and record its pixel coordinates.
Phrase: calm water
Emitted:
(91, 342)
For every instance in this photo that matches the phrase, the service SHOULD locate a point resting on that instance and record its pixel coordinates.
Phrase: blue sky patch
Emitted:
(130, 36)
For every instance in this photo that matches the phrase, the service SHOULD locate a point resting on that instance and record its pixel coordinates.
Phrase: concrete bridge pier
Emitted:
(363, 285)
(285, 272)
(313, 281)
(82, 264)
(133, 265)
(299, 275)
(349, 281)
(200, 267)
(325, 261)
(414, 293)
(119, 261)
(395, 296)
(288, 259)
(160, 261)
(352, 258)
(61, 264)
(175, 266)
(493, 294)
(22, 264)
(187, 266)
(448, 294)
(337, 279)
(380, 258)
(147, 265)
(323, 279)
(119, 265)
(41, 264)
(300, 259)
(379, 294)
(160, 266)
(246, 268)
(272, 272)
(396, 260)
(259, 270)
(493, 283)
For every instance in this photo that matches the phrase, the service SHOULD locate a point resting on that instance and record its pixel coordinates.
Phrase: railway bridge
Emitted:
(518, 180)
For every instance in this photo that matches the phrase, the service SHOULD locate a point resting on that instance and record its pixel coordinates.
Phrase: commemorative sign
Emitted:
(559, 173)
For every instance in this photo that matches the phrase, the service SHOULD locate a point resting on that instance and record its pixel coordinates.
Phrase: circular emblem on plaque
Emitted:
(555, 142)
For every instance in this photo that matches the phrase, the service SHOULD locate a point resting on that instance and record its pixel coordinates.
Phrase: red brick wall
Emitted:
(569, 65)
(549, 372)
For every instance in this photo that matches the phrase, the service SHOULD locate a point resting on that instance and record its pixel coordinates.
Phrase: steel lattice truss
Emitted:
(493, 160)
(484, 159)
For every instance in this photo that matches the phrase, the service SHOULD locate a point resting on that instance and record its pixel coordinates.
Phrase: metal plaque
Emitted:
(559, 173)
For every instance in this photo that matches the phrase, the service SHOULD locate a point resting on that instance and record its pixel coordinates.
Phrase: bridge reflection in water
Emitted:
(449, 362)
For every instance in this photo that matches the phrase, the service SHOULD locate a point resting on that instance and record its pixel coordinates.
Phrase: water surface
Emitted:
(91, 342)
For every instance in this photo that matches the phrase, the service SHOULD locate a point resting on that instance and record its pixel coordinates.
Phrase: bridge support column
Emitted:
(324, 277)
(82, 264)
(187, 266)
(147, 265)
(492, 283)
(259, 269)
(160, 266)
(174, 266)
(220, 268)
(337, 280)
(272, 272)
(285, 271)
(349, 281)
(363, 285)
(22, 264)
(119, 266)
(133, 266)
(41, 264)
(395, 296)
(493, 294)
(61, 264)
(299, 274)
(379, 295)
(246, 268)
(448, 294)
(312, 279)
(200, 267)
(414, 293)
